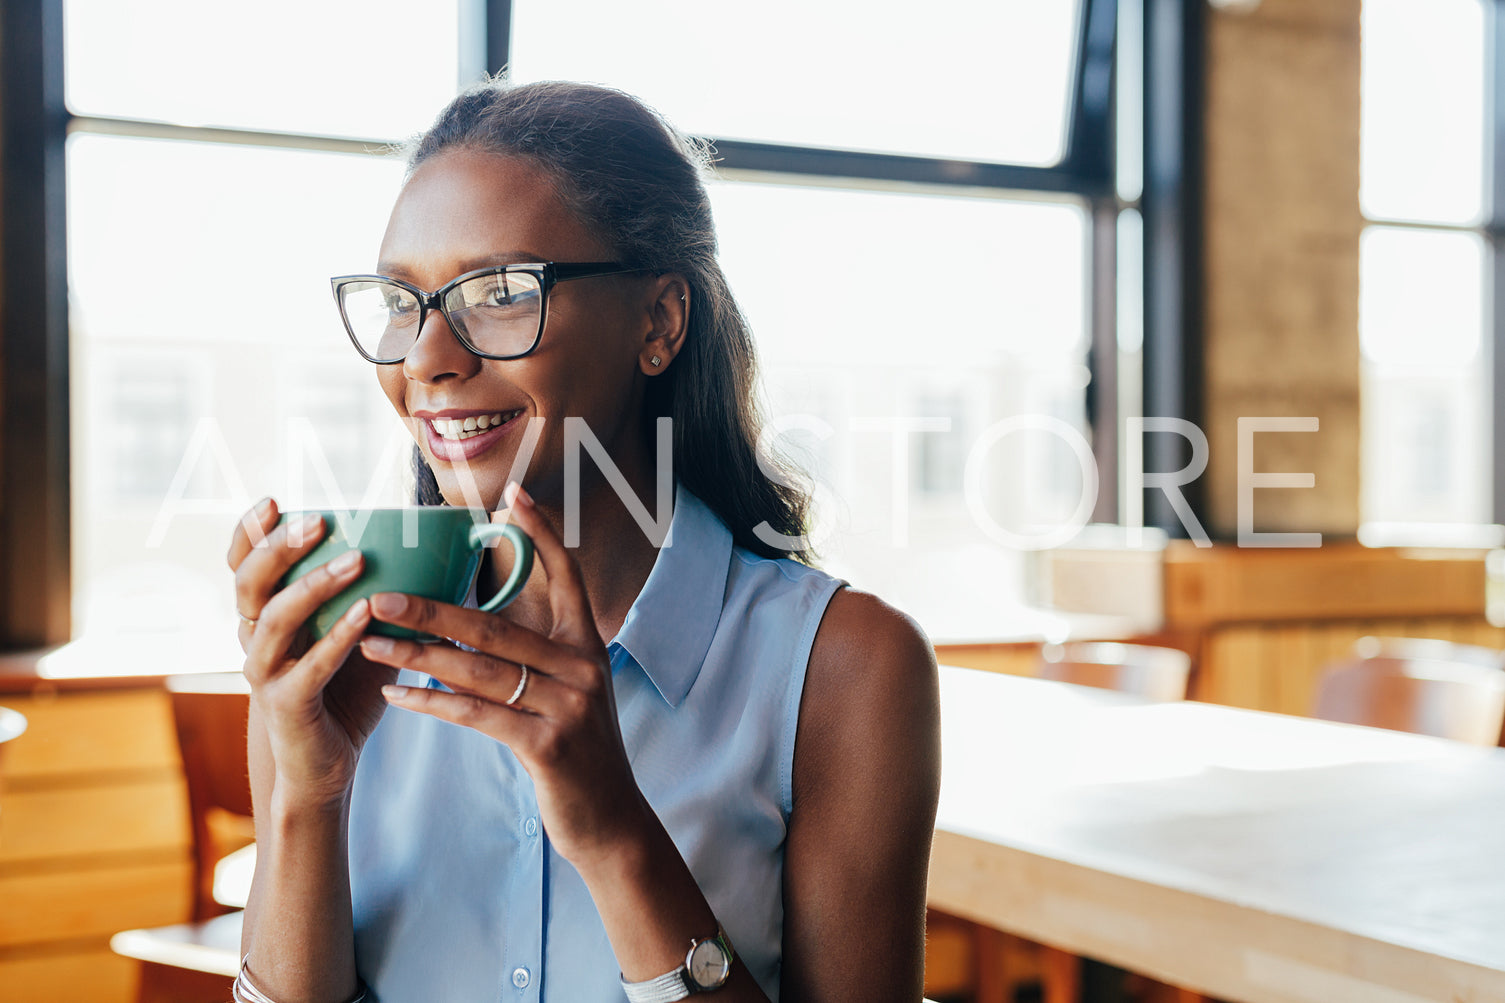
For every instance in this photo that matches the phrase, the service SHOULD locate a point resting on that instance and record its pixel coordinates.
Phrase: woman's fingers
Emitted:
(470, 711)
(251, 531)
(573, 619)
(486, 632)
(324, 659)
(262, 568)
(287, 611)
(495, 679)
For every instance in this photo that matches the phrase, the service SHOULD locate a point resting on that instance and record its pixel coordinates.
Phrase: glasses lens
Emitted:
(383, 317)
(498, 313)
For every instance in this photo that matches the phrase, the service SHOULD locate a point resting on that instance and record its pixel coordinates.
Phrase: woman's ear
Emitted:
(669, 321)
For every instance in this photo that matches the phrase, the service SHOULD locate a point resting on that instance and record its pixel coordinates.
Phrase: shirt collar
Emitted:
(669, 628)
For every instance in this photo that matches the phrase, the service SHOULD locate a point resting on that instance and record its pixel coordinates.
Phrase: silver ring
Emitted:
(249, 621)
(522, 684)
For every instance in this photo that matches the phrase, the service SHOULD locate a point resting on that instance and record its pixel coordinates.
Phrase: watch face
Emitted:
(708, 965)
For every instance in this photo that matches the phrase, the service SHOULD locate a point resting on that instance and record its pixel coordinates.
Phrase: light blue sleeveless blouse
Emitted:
(458, 894)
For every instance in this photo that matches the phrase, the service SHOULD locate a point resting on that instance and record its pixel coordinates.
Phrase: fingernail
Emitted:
(357, 612)
(394, 692)
(264, 507)
(311, 522)
(345, 562)
(520, 496)
(388, 604)
(377, 645)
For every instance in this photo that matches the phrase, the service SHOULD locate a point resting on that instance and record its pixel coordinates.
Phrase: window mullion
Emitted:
(1494, 312)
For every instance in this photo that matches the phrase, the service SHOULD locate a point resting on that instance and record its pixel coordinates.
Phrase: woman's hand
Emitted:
(563, 728)
(317, 717)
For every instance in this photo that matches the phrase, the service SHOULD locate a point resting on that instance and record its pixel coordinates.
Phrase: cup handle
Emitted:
(522, 560)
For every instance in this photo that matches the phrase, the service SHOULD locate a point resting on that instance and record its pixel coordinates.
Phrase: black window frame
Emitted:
(35, 596)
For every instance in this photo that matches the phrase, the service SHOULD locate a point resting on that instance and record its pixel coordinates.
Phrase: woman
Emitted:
(750, 766)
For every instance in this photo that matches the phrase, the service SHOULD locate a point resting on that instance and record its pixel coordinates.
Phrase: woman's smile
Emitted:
(458, 435)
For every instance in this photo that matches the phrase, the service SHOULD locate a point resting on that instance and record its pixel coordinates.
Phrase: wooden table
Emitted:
(1250, 856)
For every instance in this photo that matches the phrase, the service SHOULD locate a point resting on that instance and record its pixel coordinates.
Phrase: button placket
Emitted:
(524, 971)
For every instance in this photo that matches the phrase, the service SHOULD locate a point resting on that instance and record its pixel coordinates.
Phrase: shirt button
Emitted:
(530, 827)
(521, 977)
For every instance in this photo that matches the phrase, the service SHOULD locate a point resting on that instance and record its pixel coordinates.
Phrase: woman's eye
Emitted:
(506, 295)
(398, 304)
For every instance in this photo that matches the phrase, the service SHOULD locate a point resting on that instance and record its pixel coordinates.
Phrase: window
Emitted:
(970, 81)
(1425, 258)
(951, 174)
(993, 282)
(181, 251)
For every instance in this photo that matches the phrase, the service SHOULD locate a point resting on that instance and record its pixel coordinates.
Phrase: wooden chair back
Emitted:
(1428, 649)
(1459, 699)
(209, 712)
(1142, 670)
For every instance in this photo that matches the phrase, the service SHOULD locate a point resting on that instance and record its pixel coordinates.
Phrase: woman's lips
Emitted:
(464, 450)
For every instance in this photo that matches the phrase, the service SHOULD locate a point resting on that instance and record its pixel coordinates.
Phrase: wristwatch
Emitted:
(707, 966)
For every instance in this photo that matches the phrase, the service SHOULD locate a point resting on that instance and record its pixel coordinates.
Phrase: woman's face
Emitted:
(462, 210)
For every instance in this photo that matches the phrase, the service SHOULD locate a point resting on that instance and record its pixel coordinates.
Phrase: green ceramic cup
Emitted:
(429, 551)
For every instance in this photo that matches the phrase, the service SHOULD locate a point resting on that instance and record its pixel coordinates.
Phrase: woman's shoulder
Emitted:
(866, 644)
(872, 678)
(870, 712)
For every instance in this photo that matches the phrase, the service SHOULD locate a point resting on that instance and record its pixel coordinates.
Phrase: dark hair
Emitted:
(628, 174)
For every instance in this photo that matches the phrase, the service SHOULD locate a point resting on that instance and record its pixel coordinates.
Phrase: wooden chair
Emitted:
(209, 713)
(195, 962)
(1428, 649)
(1145, 671)
(1429, 688)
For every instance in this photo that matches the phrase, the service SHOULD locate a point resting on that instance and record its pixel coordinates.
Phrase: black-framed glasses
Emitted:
(497, 312)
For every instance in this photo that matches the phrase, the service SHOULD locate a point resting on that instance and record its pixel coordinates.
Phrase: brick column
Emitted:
(1282, 246)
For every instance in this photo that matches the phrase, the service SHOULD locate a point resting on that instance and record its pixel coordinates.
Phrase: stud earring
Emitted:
(655, 362)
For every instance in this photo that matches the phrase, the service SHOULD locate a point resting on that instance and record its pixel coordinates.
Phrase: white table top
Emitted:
(212, 946)
(232, 877)
(12, 724)
(1252, 856)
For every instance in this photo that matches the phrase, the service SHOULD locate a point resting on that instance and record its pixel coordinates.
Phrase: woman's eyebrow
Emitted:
(397, 269)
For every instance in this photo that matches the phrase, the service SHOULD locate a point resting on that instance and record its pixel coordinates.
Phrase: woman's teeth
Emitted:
(466, 428)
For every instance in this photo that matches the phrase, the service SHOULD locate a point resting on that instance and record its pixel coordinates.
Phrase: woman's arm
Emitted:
(312, 708)
(867, 770)
(298, 914)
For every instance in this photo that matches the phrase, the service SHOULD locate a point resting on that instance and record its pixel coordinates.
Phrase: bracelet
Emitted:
(246, 991)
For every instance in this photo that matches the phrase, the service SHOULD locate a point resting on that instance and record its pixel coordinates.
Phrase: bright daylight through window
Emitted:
(935, 314)
(1426, 386)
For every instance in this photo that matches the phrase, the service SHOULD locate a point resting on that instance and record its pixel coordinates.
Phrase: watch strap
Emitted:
(667, 988)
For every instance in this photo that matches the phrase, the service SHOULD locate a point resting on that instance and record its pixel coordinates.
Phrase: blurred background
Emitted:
(1313, 247)
(234, 379)
(939, 218)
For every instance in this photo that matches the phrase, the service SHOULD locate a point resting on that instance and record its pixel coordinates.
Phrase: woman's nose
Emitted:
(438, 354)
